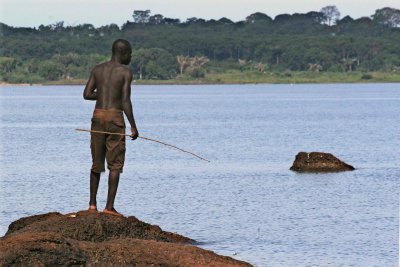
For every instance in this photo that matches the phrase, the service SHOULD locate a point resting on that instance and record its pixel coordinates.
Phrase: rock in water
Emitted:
(319, 162)
(96, 239)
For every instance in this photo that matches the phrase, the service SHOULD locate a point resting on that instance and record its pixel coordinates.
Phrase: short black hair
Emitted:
(120, 45)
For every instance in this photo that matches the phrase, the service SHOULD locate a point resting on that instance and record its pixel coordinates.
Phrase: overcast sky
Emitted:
(32, 13)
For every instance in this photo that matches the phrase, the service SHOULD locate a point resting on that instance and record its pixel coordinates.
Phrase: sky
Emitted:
(32, 13)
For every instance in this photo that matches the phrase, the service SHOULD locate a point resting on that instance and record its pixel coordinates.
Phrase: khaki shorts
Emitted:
(106, 146)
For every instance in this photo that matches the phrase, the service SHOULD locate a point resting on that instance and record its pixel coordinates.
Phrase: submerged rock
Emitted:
(96, 239)
(319, 162)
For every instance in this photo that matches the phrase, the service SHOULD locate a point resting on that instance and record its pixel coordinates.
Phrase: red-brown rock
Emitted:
(319, 162)
(96, 239)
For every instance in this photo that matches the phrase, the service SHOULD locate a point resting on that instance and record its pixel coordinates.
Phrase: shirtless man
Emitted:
(110, 86)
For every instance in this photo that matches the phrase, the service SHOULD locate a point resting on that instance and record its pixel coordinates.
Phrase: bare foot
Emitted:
(92, 208)
(112, 212)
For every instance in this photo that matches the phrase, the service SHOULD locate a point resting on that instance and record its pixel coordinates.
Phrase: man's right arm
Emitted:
(89, 93)
(127, 104)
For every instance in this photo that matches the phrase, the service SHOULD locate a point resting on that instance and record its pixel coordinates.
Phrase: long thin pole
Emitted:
(145, 138)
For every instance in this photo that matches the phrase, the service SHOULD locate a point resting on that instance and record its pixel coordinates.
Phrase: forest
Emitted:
(167, 48)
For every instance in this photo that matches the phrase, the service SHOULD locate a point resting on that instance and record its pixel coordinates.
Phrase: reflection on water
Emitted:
(245, 203)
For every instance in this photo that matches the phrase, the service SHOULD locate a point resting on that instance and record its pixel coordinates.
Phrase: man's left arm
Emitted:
(127, 104)
(90, 92)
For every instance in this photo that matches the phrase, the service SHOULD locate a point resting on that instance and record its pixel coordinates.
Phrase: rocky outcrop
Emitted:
(96, 239)
(319, 162)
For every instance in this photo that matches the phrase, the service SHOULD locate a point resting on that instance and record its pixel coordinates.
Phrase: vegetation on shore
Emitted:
(316, 47)
(254, 77)
(236, 77)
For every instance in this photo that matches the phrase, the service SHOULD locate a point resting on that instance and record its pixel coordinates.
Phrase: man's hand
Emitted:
(134, 133)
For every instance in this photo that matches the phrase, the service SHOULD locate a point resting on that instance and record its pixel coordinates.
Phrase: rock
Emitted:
(96, 239)
(319, 162)
(94, 227)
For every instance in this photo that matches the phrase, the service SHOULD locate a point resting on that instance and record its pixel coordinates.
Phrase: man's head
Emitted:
(122, 50)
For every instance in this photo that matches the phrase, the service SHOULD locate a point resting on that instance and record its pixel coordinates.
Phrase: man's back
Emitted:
(110, 78)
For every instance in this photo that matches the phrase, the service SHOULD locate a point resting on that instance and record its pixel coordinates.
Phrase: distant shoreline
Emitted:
(237, 77)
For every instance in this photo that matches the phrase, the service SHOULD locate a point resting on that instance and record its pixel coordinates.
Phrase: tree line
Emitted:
(164, 48)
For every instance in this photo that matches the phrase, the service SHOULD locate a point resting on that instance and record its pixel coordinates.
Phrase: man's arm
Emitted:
(89, 93)
(127, 104)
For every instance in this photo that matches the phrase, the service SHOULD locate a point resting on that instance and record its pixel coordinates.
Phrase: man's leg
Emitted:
(113, 181)
(94, 185)
(115, 156)
(98, 150)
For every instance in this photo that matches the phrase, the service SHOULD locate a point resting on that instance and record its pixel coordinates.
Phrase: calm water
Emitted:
(245, 203)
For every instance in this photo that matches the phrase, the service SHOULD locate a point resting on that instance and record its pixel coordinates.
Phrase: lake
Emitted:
(245, 203)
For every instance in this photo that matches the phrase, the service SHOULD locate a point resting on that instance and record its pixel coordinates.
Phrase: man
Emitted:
(110, 86)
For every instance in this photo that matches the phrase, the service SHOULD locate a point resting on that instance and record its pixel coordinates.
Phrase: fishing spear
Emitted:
(145, 138)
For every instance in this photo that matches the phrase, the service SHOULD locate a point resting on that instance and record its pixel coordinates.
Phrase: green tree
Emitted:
(153, 63)
(141, 16)
(156, 19)
(7, 64)
(387, 16)
(258, 17)
(51, 70)
(331, 13)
